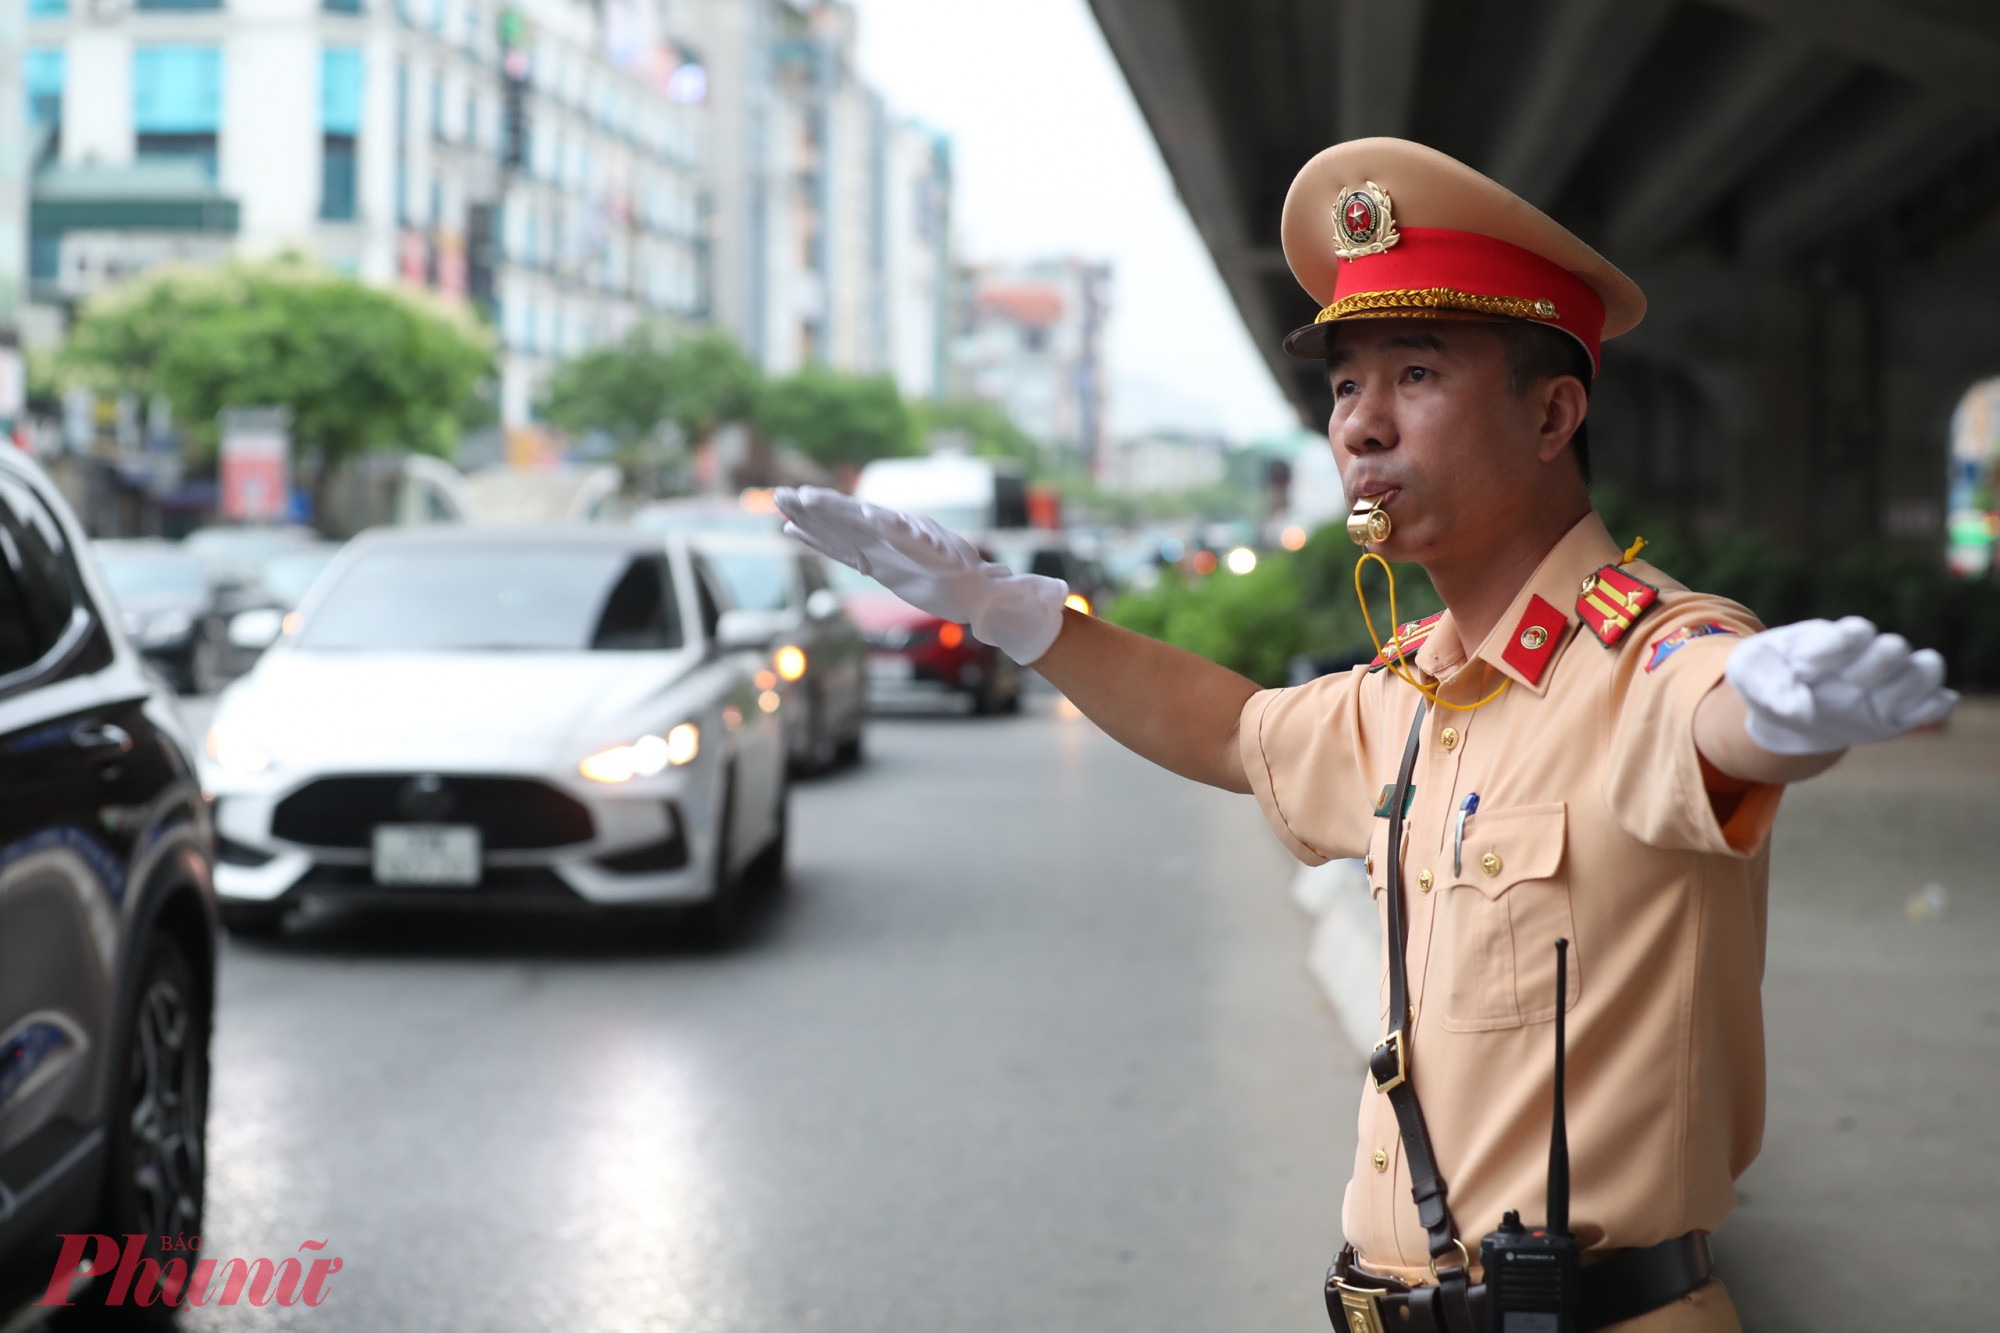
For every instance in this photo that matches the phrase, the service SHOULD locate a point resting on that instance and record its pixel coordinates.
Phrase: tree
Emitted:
(650, 378)
(835, 419)
(990, 431)
(360, 367)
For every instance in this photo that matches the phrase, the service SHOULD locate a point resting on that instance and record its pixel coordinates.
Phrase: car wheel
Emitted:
(766, 874)
(851, 748)
(719, 920)
(159, 1121)
(205, 663)
(817, 752)
(255, 921)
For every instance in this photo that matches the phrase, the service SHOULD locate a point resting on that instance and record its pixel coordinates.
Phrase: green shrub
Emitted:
(1303, 603)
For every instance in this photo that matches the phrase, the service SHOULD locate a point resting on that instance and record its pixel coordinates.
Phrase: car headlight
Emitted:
(166, 627)
(233, 750)
(645, 757)
(790, 661)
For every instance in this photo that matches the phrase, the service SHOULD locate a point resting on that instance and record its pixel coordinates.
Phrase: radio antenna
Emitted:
(1559, 1129)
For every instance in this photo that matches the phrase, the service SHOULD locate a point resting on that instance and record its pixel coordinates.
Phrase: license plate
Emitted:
(887, 669)
(428, 854)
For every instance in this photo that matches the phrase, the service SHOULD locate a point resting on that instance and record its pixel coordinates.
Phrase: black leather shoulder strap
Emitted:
(1389, 1064)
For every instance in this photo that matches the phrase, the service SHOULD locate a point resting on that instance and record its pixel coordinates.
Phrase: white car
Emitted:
(530, 716)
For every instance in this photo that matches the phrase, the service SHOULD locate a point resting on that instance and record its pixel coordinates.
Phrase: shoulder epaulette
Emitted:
(1612, 602)
(1406, 640)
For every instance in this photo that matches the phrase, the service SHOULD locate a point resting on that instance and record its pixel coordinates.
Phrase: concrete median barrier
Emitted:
(1346, 954)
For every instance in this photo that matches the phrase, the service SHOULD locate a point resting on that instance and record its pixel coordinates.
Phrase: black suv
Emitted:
(107, 915)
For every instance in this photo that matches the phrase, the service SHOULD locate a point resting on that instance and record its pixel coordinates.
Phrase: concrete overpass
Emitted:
(1808, 190)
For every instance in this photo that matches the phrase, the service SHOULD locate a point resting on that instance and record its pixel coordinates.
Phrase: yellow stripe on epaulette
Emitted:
(1612, 602)
(1405, 641)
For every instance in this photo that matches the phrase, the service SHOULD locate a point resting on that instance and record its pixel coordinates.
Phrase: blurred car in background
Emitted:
(1049, 553)
(175, 610)
(107, 919)
(537, 717)
(235, 554)
(916, 657)
(778, 597)
(966, 494)
(282, 583)
(751, 512)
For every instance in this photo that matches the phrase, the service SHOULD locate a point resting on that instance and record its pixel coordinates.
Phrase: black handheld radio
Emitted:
(1531, 1275)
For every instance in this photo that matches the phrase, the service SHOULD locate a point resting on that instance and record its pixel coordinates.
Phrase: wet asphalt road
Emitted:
(1030, 1045)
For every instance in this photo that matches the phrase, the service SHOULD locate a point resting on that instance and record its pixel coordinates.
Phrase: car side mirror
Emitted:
(259, 628)
(741, 629)
(823, 604)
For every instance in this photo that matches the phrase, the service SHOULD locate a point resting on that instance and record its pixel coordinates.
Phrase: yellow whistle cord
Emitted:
(1632, 552)
(1394, 663)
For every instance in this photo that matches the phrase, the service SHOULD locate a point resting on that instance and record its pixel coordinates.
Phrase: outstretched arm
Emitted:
(1798, 696)
(1169, 706)
(1160, 702)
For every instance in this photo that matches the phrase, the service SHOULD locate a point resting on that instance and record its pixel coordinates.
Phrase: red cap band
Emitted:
(1435, 269)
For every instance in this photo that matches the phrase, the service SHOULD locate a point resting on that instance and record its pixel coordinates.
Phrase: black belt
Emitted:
(1624, 1285)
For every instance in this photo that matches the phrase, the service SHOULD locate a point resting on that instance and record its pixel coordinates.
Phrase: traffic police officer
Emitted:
(1598, 753)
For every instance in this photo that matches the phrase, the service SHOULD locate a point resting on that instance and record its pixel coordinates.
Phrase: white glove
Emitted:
(1823, 685)
(930, 567)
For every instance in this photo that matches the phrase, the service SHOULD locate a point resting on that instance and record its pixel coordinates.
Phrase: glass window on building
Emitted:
(338, 171)
(42, 72)
(47, 9)
(177, 103)
(177, 5)
(341, 6)
(340, 82)
(437, 107)
(402, 143)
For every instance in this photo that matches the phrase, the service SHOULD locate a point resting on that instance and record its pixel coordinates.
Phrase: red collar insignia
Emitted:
(1612, 603)
(1533, 642)
(1406, 640)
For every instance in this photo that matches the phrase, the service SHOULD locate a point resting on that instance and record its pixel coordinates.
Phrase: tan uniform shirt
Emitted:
(1594, 824)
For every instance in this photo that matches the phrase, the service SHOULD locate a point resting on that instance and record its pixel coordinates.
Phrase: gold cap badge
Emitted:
(1363, 223)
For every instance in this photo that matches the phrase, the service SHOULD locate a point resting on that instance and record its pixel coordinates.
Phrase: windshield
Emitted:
(707, 520)
(754, 580)
(845, 580)
(137, 577)
(240, 552)
(288, 576)
(520, 598)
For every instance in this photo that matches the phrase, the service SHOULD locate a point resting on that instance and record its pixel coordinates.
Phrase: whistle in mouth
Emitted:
(1368, 524)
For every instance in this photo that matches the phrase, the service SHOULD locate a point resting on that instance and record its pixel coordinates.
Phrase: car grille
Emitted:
(536, 880)
(512, 814)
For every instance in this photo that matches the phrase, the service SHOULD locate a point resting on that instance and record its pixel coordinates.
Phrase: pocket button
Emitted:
(1490, 863)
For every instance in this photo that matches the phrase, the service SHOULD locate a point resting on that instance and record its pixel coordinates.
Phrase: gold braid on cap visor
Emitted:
(1423, 300)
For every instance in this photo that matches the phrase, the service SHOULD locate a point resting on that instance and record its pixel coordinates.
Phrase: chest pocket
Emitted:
(1499, 921)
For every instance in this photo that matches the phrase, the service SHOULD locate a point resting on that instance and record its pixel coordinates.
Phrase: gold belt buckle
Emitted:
(1395, 1042)
(1363, 1313)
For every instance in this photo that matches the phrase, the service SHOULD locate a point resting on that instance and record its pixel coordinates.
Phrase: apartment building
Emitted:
(541, 158)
